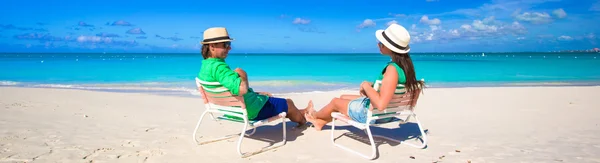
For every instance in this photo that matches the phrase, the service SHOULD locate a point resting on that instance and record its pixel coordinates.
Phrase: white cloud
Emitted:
(533, 17)
(301, 21)
(478, 29)
(391, 22)
(93, 39)
(426, 20)
(489, 19)
(466, 27)
(499, 8)
(429, 37)
(559, 13)
(480, 26)
(565, 38)
(454, 32)
(520, 38)
(516, 27)
(431, 0)
(367, 23)
(413, 26)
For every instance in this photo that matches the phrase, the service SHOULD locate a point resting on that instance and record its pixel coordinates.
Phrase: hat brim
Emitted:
(379, 36)
(218, 41)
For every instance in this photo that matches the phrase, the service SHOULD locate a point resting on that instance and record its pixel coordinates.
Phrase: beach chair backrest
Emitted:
(401, 100)
(219, 96)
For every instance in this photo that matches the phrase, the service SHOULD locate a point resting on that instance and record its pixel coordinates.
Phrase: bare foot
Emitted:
(308, 108)
(316, 122)
(303, 112)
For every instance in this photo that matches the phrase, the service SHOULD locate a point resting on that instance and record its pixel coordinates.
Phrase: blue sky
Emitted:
(336, 26)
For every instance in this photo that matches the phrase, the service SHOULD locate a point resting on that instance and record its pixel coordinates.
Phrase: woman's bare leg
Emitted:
(349, 97)
(323, 116)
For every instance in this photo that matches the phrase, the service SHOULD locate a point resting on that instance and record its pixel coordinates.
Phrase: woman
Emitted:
(393, 42)
(259, 105)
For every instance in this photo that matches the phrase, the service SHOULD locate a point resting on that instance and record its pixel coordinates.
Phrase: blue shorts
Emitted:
(357, 109)
(272, 107)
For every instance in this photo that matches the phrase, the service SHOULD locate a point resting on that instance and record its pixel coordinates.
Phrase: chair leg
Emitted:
(253, 131)
(423, 135)
(276, 145)
(206, 141)
(198, 125)
(368, 131)
(239, 145)
(213, 117)
(284, 131)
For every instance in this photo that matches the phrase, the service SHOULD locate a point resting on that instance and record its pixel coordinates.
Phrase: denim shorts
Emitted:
(357, 109)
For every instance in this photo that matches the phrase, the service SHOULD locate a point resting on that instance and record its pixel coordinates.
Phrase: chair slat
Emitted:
(231, 109)
(224, 99)
(220, 97)
(220, 94)
(216, 90)
(227, 103)
(400, 90)
(207, 83)
(391, 110)
(397, 96)
(398, 104)
(400, 99)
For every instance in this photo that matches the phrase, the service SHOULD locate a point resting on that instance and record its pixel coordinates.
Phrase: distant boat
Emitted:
(483, 54)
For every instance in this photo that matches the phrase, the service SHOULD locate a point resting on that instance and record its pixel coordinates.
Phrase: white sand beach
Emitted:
(509, 124)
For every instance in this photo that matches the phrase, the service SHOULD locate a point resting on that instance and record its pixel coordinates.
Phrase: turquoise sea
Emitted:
(173, 74)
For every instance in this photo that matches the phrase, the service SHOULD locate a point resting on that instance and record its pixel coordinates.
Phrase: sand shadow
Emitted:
(402, 132)
(270, 133)
(274, 133)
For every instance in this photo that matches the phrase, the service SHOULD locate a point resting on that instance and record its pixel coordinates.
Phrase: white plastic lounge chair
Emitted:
(220, 100)
(401, 104)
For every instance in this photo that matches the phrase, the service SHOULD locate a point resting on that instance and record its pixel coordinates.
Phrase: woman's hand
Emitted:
(364, 85)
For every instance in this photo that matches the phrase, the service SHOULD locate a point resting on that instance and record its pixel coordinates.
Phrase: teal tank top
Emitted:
(401, 79)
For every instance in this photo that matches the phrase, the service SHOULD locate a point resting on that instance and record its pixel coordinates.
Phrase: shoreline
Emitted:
(189, 93)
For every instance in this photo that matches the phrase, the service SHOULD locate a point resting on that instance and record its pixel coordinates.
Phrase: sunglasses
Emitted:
(227, 44)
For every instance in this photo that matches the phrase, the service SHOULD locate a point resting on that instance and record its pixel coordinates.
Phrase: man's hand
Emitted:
(241, 73)
(244, 85)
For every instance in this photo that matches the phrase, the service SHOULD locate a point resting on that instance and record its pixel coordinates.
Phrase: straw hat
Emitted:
(216, 35)
(395, 37)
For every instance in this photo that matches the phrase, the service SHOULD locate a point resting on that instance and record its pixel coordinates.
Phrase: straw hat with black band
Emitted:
(395, 37)
(216, 35)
